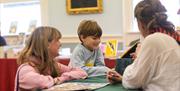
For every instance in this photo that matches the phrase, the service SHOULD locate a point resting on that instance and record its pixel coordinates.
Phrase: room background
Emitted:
(115, 21)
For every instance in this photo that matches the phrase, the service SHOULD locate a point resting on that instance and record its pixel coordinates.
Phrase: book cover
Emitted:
(111, 48)
(130, 50)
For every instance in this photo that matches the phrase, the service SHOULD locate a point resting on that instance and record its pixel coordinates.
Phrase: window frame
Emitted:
(6, 23)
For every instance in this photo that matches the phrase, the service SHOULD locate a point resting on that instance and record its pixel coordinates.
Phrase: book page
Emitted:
(71, 86)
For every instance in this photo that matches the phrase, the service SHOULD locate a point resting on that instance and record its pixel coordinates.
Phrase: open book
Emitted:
(130, 50)
(72, 86)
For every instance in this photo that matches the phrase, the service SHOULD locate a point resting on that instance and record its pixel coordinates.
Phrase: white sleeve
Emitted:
(139, 72)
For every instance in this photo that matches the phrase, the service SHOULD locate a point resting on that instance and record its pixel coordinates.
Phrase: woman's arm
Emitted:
(139, 72)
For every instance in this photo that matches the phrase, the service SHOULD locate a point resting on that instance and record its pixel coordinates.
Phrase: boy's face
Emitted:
(91, 42)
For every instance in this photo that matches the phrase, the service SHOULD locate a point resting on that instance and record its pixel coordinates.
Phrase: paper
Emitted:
(71, 86)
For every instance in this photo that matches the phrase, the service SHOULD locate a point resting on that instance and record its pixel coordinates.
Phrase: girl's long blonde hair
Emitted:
(37, 47)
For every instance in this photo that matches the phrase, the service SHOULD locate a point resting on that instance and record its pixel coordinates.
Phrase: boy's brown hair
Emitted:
(89, 28)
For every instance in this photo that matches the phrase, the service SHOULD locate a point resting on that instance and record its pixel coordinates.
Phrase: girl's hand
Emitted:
(57, 81)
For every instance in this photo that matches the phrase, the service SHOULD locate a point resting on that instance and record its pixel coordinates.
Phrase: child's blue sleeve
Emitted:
(99, 59)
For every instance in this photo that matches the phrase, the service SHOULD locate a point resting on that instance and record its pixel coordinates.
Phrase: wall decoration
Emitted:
(111, 48)
(84, 6)
(13, 27)
(32, 25)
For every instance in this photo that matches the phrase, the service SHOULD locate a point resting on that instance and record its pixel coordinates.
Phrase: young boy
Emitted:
(88, 55)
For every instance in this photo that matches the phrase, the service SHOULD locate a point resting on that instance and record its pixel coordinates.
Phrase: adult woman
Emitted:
(157, 66)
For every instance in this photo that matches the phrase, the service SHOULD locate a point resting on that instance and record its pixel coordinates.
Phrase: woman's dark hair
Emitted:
(153, 14)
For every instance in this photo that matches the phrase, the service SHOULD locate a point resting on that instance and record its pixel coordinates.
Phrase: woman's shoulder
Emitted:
(157, 37)
(160, 40)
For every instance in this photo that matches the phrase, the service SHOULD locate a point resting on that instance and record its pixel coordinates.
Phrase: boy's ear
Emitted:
(81, 37)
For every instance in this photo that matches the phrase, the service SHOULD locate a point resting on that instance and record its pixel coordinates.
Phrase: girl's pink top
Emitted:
(29, 78)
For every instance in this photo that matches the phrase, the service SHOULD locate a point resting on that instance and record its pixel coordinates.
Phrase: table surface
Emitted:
(102, 79)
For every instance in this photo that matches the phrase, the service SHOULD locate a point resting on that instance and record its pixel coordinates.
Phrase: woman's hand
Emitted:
(114, 77)
(134, 54)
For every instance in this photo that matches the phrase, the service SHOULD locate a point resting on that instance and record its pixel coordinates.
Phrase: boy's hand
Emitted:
(114, 77)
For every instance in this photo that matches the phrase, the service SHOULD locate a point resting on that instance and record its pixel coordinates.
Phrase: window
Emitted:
(172, 9)
(19, 17)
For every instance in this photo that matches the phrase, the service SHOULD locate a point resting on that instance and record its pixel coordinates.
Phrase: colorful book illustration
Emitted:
(111, 48)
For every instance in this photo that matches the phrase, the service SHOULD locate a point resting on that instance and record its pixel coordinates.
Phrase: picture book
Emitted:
(130, 50)
(72, 86)
(111, 48)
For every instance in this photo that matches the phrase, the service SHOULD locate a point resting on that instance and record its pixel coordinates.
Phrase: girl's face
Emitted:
(54, 46)
(91, 42)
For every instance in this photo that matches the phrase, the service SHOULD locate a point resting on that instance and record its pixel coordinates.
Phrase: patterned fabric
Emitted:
(173, 34)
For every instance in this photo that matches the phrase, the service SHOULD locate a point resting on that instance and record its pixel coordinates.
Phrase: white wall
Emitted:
(116, 19)
(110, 20)
(7, 1)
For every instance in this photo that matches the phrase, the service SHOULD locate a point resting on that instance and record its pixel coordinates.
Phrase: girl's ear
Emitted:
(49, 44)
